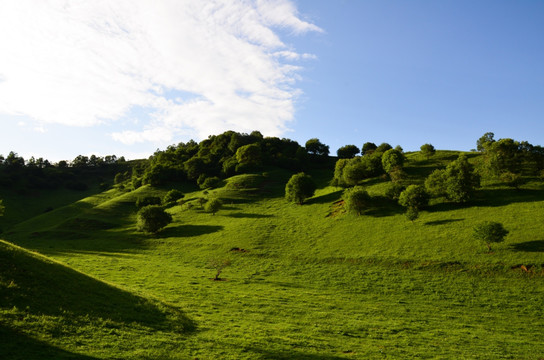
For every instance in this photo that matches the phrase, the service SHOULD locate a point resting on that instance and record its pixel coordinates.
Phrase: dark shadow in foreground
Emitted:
(442, 222)
(18, 346)
(530, 246)
(189, 230)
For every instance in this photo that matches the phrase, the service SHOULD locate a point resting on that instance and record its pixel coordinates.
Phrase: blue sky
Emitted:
(128, 77)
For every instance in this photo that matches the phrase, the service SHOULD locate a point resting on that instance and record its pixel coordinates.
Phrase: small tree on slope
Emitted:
(299, 187)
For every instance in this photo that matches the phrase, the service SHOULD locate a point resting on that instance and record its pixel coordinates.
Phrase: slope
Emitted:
(48, 310)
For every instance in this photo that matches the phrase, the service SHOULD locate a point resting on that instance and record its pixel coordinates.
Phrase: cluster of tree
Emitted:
(508, 159)
(225, 155)
(21, 174)
(375, 161)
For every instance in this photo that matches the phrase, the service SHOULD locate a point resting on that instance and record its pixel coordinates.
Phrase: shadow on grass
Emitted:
(529, 246)
(382, 206)
(42, 287)
(327, 198)
(501, 197)
(189, 230)
(15, 345)
(442, 222)
(289, 355)
(249, 216)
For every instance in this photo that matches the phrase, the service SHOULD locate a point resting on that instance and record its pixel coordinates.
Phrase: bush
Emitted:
(152, 218)
(393, 191)
(392, 159)
(148, 200)
(489, 232)
(356, 200)
(299, 187)
(213, 205)
(210, 183)
(414, 197)
(172, 196)
(427, 150)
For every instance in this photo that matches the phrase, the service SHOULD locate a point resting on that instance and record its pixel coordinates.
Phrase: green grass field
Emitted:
(305, 282)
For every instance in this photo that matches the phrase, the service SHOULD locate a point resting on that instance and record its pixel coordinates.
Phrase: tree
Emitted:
(427, 150)
(315, 147)
(414, 196)
(489, 232)
(152, 218)
(338, 178)
(485, 141)
(299, 187)
(383, 147)
(218, 265)
(356, 200)
(2, 208)
(347, 151)
(368, 148)
(457, 182)
(147, 200)
(213, 205)
(171, 196)
(249, 155)
(392, 159)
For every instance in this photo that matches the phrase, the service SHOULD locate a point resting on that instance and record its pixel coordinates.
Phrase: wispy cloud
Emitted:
(83, 63)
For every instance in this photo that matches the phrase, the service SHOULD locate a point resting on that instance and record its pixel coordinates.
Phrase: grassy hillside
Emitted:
(306, 282)
(50, 311)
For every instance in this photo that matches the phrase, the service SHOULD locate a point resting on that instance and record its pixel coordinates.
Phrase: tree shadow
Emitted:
(382, 206)
(327, 198)
(291, 354)
(442, 222)
(529, 246)
(501, 197)
(16, 345)
(189, 230)
(249, 216)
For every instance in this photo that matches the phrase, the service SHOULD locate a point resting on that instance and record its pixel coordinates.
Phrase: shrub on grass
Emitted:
(393, 191)
(356, 200)
(299, 187)
(172, 196)
(427, 150)
(210, 183)
(152, 218)
(414, 196)
(148, 200)
(213, 205)
(489, 232)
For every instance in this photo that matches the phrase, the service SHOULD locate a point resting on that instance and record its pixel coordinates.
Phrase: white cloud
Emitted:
(83, 63)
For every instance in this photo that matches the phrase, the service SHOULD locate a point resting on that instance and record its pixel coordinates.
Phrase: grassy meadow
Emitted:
(304, 282)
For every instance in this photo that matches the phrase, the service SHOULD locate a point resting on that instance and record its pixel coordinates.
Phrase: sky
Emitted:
(128, 77)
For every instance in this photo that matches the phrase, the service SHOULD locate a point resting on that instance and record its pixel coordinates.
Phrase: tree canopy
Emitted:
(299, 187)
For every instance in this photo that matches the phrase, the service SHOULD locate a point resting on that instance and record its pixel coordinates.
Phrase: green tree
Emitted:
(2, 208)
(368, 148)
(249, 155)
(457, 182)
(299, 187)
(347, 151)
(356, 200)
(392, 159)
(414, 196)
(485, 141)
(213, 205)
(338, 178)
(172, 196)
(489, 232)
(316, 147)
(152, 218)
(427, 150)
(383, 147)
(147, 200)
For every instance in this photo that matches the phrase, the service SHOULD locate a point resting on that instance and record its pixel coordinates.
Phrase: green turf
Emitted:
(305, 282)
